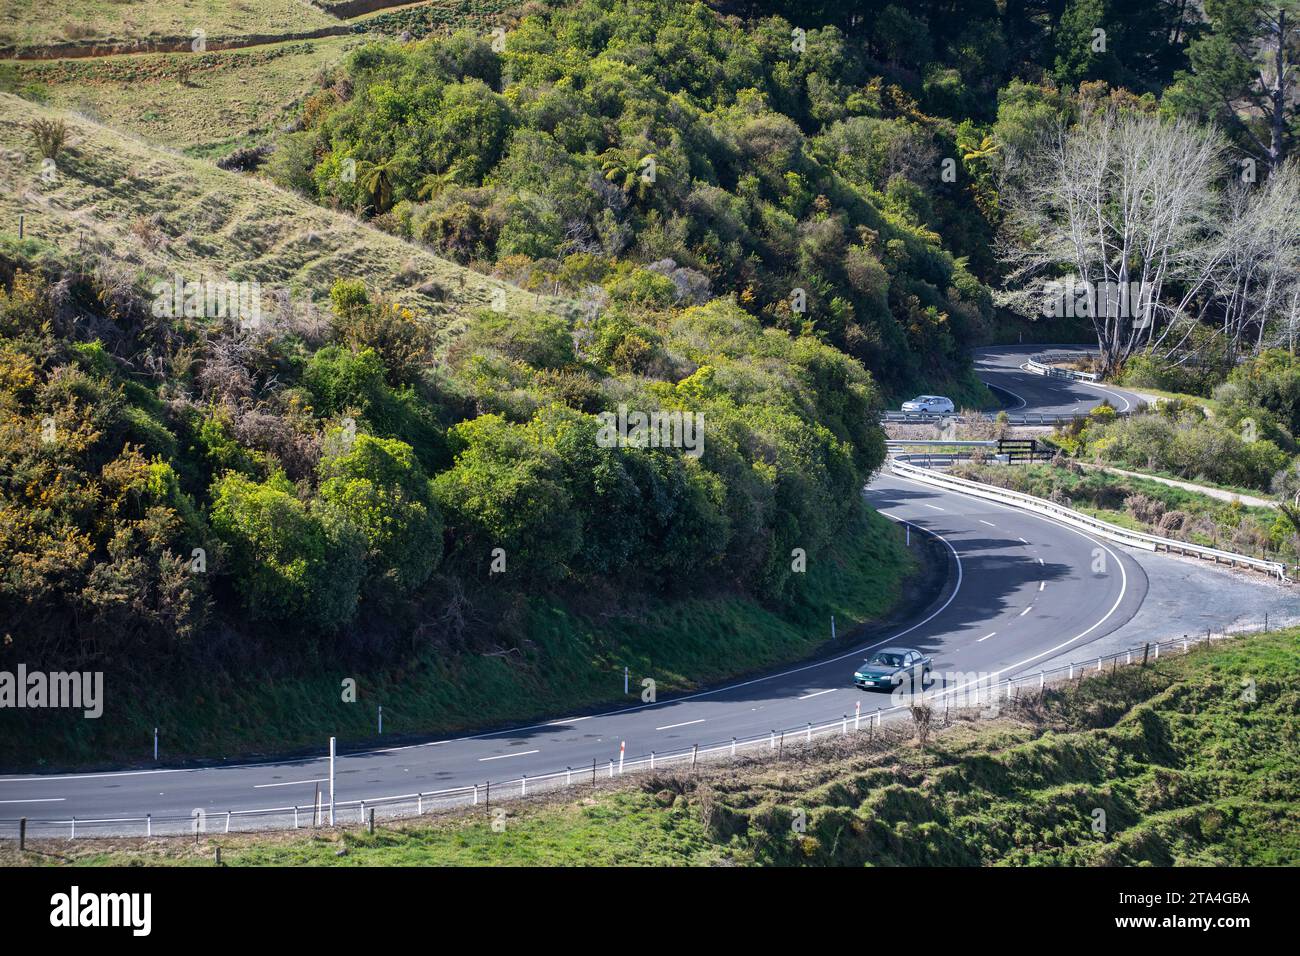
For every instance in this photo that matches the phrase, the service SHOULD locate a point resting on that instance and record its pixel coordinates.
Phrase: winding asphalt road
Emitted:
(1002, 366)
(1022, 590)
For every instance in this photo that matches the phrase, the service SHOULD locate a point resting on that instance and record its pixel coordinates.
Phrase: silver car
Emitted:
(932, 404)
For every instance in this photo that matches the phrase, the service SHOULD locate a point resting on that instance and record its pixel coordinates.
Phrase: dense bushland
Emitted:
(175, 486)
(658, 154)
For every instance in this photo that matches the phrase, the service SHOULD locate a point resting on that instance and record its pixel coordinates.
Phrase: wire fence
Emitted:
(984, 693)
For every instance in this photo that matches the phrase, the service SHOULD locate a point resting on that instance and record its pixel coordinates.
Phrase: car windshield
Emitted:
(888, 660)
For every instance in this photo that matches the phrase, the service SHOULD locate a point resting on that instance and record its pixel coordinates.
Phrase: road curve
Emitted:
(1022, 590)
(1002, 368)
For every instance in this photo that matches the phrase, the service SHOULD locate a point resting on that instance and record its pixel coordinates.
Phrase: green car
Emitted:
(891, 667)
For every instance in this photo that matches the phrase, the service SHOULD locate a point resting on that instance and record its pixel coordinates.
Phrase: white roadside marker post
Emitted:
(332, 742)
(622, 749)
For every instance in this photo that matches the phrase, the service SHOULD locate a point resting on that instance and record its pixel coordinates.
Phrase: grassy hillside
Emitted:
(203, 104)
(27, 23)
(163, 213)
(1193, 760)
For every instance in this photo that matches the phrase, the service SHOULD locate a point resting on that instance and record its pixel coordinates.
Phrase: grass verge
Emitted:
(1151, 506)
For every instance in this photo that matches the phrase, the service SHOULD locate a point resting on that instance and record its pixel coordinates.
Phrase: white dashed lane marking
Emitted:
(288, 783)
(686, 723)
(522, 753)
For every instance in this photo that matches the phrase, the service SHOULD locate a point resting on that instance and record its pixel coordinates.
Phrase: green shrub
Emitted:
(1270, 380)
(289, 564)
(401, 339)
(537, 339)
(379, 486)
(50, 136)
(505, 491)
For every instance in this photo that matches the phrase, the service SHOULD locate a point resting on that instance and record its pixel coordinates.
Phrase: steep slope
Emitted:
(112, 195)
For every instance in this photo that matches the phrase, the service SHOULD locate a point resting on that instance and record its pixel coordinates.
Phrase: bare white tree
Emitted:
(1126, 206)
(1260, 258)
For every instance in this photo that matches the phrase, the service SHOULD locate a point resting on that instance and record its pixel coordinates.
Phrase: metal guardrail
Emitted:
(987, 690)
(1033, 418)
(938, 442)
(1138, 539)
(1042, 364)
